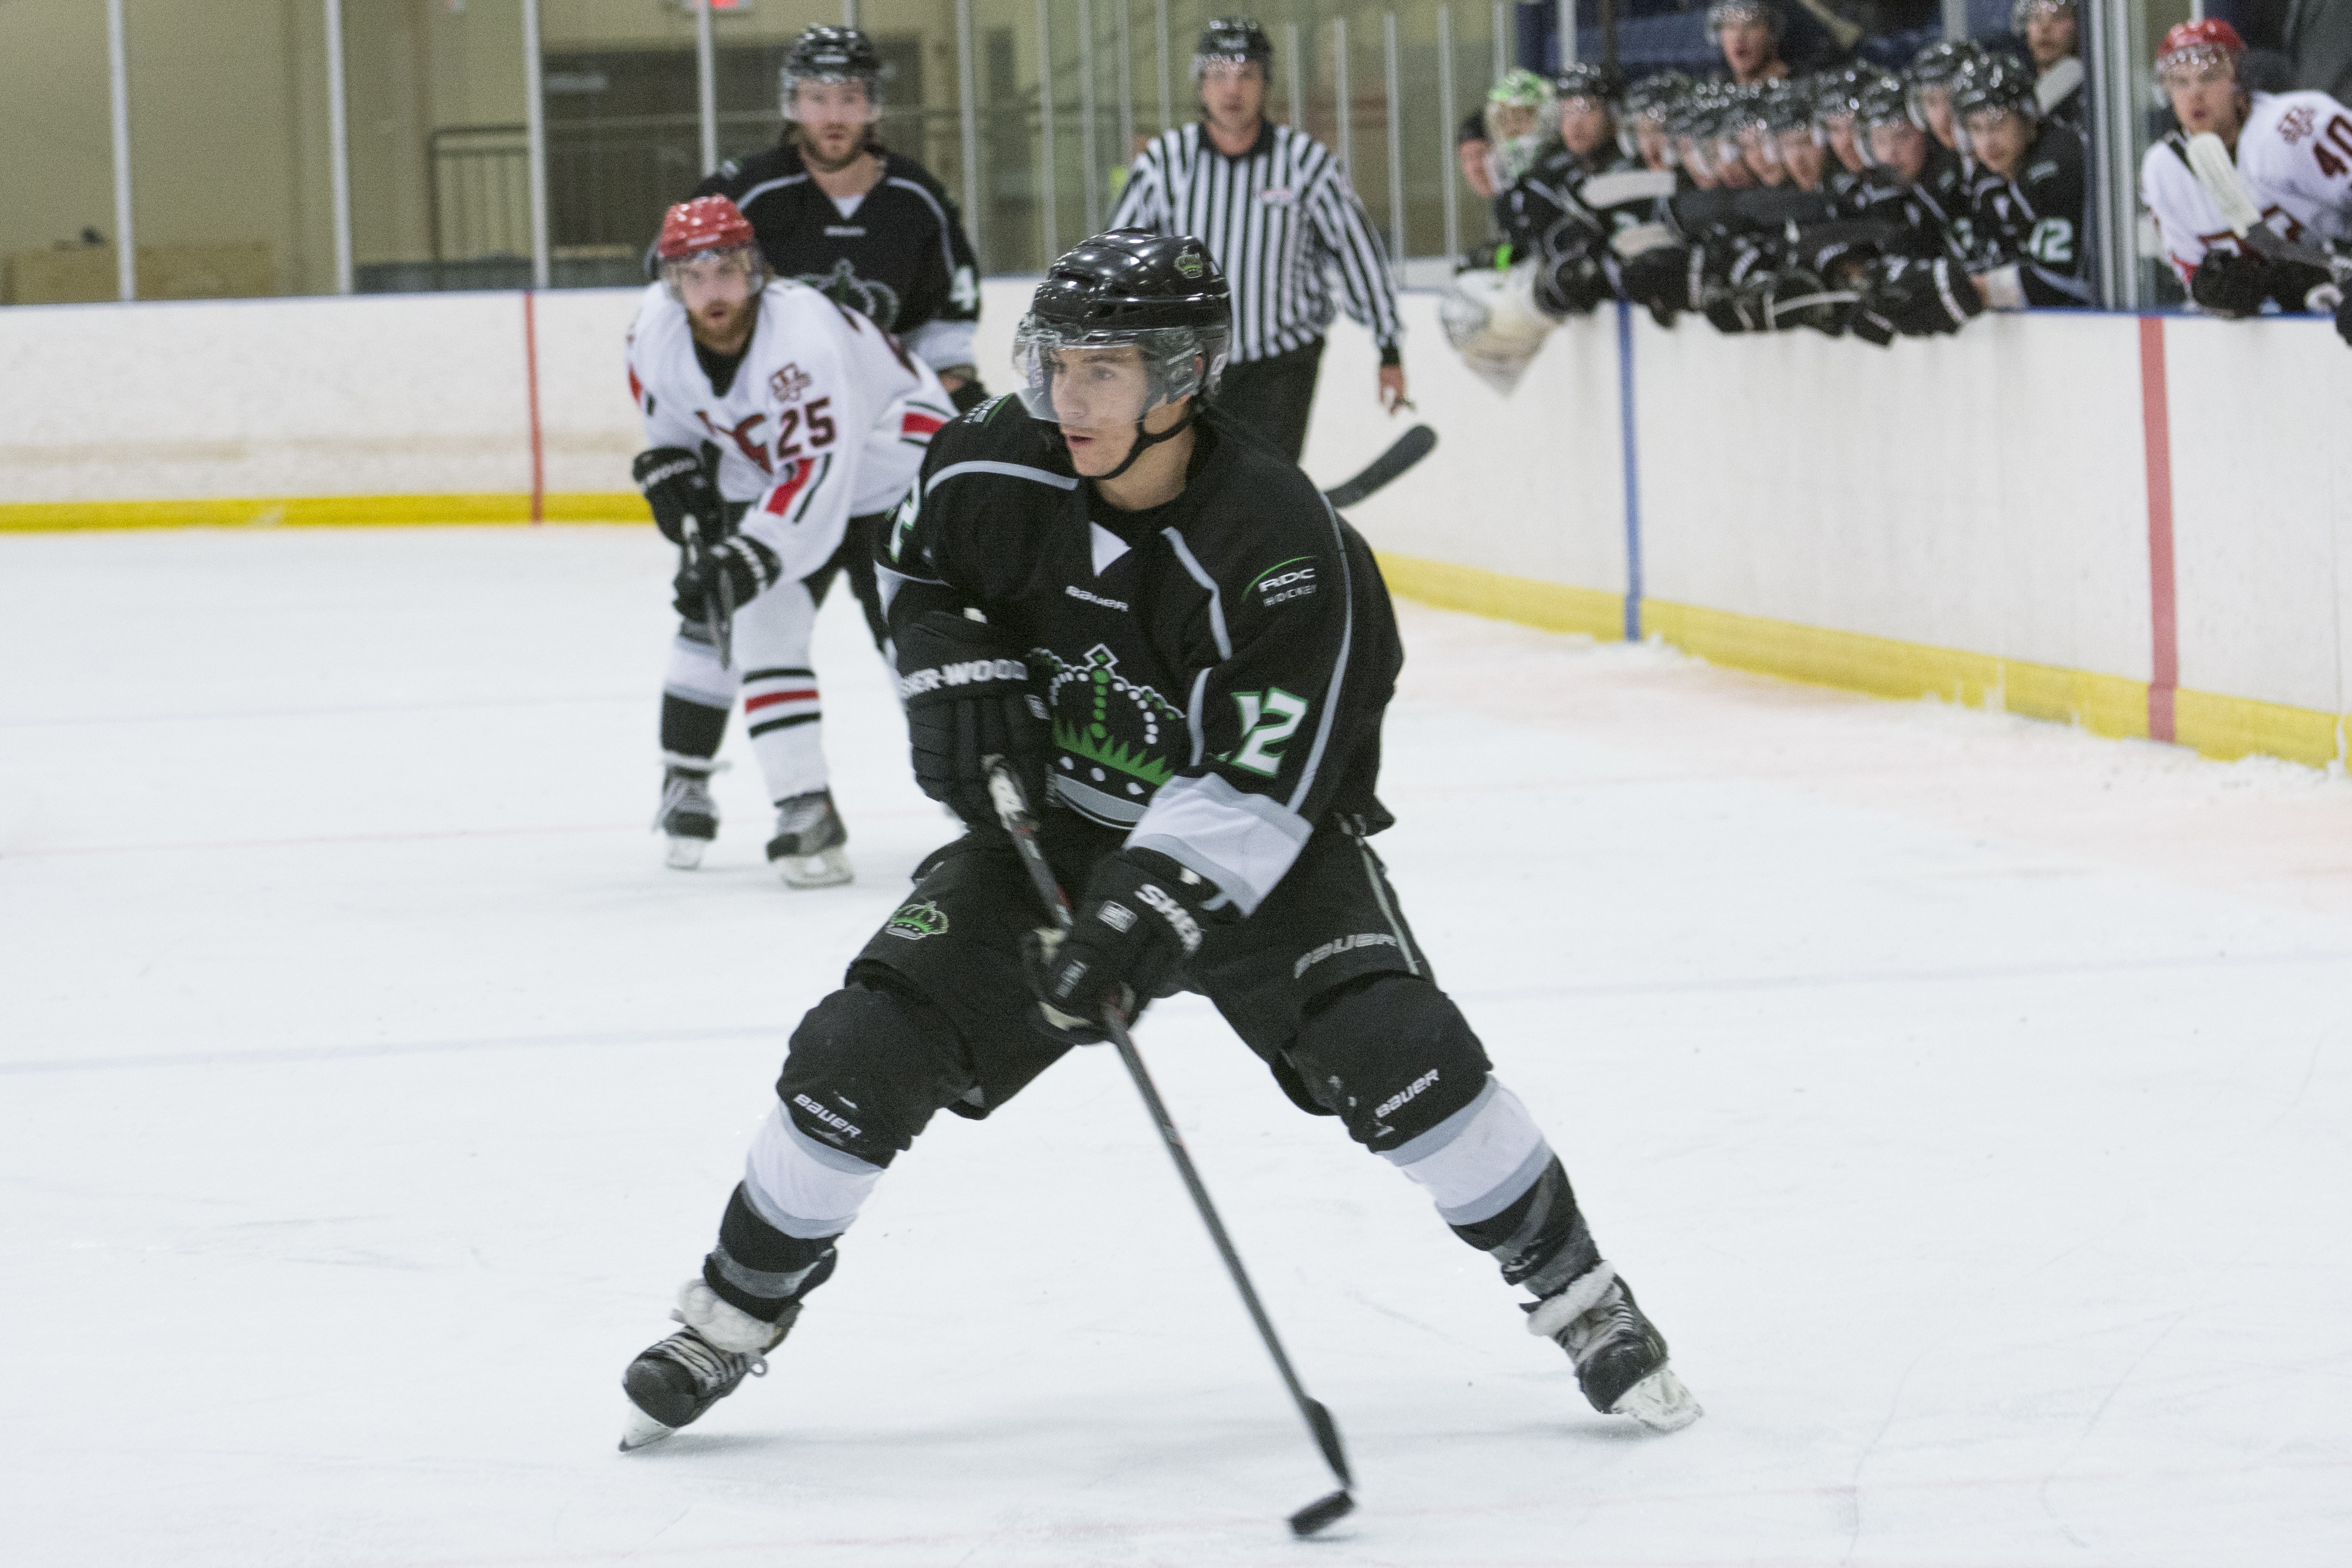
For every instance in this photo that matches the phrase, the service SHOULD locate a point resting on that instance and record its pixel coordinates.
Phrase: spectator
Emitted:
(2052, 35)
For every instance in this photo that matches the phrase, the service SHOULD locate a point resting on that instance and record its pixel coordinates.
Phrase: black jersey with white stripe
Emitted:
(899, 257)
(1216, 668)
(2033, 222)
(1280, 219)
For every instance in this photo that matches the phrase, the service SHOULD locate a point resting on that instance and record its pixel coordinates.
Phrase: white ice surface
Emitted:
(1966, 1098)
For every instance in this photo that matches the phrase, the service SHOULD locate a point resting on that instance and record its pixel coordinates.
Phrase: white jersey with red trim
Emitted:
(825, 418)
(2294, 155)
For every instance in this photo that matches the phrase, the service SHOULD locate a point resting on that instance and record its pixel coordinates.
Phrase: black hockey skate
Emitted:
(672, 1383)
(806, 850)
(687, 813)
(1619, 1356)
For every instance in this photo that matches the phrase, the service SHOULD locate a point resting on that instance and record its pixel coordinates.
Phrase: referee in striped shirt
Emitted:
(1271, 205)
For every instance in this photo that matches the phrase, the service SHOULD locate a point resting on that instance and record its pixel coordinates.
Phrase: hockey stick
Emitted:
(1013, 811)
(1407, 449)
(719, 599)
(2218, 173)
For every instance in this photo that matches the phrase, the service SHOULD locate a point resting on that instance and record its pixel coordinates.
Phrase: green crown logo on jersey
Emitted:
(915, 922)
(1105, 724)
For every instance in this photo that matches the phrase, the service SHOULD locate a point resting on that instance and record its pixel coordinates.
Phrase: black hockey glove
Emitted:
(2344, 322)
(2230, 283)
(966, 686)
(1658, 279)
(971, 393)
(1140, 920)
(1922, 298)
(1571, 285)
(748, 567)
(2292, 283)
(677, 485)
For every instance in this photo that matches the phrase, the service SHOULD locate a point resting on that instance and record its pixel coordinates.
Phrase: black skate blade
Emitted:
(1321, 1514)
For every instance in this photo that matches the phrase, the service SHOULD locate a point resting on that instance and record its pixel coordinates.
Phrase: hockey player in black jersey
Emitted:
(2028, 214)
(1188, 655)
(871, 227)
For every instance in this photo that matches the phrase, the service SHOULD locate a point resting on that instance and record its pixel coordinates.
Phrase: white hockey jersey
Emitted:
(826, 418)
(2294, 155)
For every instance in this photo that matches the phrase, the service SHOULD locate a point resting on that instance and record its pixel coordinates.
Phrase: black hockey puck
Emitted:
(1321, 1513)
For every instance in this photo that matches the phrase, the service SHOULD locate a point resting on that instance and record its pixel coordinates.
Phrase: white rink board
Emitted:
(1985, 493)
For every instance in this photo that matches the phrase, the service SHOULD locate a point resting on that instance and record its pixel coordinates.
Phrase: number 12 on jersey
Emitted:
(1269, 719)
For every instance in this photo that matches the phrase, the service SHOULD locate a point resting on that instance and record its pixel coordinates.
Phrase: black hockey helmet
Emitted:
(1886, 101)
(1583, 79)
(1162, 295)
(1940, 62)
(1995, 82)
(1650, 96)
(1233, 40)
(831, 54)
(1788, 106)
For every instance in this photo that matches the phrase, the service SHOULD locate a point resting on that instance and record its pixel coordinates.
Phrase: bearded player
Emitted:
(773, 417)
(1188, 655)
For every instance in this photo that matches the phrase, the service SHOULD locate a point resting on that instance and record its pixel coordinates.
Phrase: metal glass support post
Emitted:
(1449, 169)
(534, 118)
(1565, 12)
(1089, 155)
(706, 85)
(1046, 216)
(1295, 65)
(1503, 50)
(117, 71)
(2109, 54)
(1956, 20)
(849, 13)
(1167, 99)
(1125, 84)
(1396, 141)
(339, 146)
(968, 114)
(1343, 98)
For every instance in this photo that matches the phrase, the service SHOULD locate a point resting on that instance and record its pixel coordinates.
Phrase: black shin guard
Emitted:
(691, 729)
(1541, 1240)
(761, 1269)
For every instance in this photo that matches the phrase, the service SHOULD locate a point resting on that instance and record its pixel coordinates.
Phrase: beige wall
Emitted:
(56, 173)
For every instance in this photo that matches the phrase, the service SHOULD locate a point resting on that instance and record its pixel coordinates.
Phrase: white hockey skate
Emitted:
(687, 813)
(1619, 1356)
(806, 850)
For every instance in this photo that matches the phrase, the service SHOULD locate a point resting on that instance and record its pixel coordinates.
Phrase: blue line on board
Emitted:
(1632, 473)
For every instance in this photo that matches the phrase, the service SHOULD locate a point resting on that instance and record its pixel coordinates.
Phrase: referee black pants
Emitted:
(1269, 398)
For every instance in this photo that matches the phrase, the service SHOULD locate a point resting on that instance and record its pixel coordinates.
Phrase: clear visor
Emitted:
(1207, 66)
(830, 97)
(701, 276)
(1105, 379)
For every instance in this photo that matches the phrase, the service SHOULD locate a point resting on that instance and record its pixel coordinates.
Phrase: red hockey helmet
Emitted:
(2198, 47)
(706, 222)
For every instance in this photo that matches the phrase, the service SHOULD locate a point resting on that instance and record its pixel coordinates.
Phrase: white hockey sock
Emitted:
(800, 1185)
(1477, 1162)
(782, 713)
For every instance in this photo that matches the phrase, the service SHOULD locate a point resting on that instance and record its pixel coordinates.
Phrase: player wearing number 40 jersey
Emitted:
(1188, 654)
(778, 427)
(2294, 155)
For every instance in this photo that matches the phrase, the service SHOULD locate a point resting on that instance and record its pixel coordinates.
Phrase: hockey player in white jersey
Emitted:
(2294, 155)
(777, 424)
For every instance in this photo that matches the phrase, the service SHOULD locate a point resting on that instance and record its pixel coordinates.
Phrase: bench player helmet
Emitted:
(1995, 82)
(2024, 11)
(1233, 41)
(708, 232)
(1522, 117)
(1584, 79)
(1886, 101)
(2204, 51)
(832, 54)
(1162, 295)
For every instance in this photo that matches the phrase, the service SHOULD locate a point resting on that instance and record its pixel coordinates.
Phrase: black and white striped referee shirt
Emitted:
(1278, 220)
